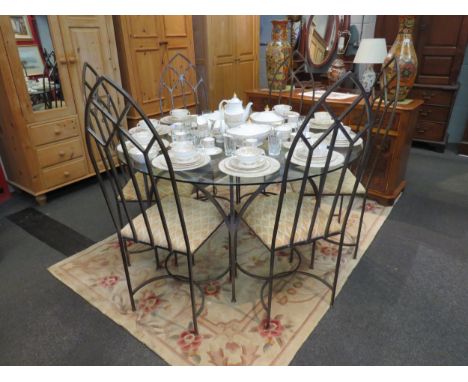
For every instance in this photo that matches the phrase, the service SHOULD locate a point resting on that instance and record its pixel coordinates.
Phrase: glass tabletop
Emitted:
(210, 174)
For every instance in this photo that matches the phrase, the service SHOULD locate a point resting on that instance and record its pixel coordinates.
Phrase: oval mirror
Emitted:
(322, 36)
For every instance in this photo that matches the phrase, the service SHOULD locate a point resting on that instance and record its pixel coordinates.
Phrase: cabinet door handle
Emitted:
(163, 42)
(421, 131)
(424, 113)
(62, 60)
(72, 60)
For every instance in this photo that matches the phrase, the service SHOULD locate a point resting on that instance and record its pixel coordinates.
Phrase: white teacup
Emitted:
(183, 151)
(248, 155)
(284, 131)
(282, 110)
(143, 137)
(307, 135)
(208, 143)
(322, 116)
(202, 122)
(293, 117)
(180, 114)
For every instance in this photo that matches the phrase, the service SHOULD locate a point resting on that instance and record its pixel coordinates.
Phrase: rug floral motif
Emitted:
(229, 333)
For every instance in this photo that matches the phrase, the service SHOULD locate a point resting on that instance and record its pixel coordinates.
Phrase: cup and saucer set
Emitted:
(249, 162)
(184, 156)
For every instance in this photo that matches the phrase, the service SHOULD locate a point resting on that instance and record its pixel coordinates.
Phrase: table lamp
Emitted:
(371, 51)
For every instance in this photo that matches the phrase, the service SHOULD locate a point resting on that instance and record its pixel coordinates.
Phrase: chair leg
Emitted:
(361, 219)
(123, 252)
(337, 269)
(270, 288)
(312, 256)
(192, 293)
(156, 256)
(232, 261)
(341, 208)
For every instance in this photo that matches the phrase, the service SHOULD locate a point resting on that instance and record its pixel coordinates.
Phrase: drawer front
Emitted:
(358, 118)
(434, 113)
(433, 97)
(60, 152)
(64, 173)
(53, 131)
(431, 131)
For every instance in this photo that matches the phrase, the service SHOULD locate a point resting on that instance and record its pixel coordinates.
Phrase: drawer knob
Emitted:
(57, 131)
(61, 153)
(66, 174)
(421, 131)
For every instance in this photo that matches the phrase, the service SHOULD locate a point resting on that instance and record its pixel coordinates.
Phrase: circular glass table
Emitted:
(211, 175)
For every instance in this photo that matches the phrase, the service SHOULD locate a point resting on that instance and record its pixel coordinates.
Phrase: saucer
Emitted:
(211, 150)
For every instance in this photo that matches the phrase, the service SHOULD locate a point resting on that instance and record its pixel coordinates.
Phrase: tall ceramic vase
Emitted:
(276, 52)
(403, 50)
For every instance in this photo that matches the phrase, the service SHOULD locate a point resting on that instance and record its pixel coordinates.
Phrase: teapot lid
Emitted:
(234, 99)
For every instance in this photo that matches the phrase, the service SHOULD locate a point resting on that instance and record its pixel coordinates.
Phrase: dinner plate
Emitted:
(272, 166)
(169, 120)
(336, 160)
(160, 163)
(195, 158)
(345, 143)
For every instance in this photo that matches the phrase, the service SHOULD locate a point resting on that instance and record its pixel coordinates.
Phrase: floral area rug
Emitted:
(229, 333)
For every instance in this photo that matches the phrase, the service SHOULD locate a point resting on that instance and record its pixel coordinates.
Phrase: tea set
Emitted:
(246, 130)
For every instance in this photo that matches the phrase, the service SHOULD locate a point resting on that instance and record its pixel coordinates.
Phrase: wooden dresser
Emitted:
(145, 44)
(440, 43)
(227, 54)
(43, 148)
(389, 177)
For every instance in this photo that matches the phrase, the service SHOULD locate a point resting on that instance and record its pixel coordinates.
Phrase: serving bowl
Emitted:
(249, 130)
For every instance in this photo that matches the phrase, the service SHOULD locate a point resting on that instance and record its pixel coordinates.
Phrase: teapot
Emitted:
(233, 109)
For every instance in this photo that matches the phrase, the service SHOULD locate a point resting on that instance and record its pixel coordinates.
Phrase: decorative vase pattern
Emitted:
(403, 50)
(276, 52)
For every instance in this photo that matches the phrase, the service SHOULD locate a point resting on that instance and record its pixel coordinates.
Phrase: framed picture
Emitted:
(31, 59)
(21, 28)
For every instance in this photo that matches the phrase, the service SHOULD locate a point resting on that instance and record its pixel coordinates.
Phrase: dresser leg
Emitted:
(41, 199)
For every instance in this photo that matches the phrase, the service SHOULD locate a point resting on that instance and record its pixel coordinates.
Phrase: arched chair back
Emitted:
(182, 85)
(89, 78)
(104, 128)
(291, 84)
(384, 102)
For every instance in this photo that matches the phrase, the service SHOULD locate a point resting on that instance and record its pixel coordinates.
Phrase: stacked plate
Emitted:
(142, 126)
(263, 166)
(319, 157)
(135, 154)
(341, 140)
(191, 162)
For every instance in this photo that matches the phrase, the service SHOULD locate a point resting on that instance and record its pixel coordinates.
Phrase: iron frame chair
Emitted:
(182, 82)
(103, 127)
(364, 133)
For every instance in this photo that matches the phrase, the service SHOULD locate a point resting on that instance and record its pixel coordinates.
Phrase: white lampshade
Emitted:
(371, 51)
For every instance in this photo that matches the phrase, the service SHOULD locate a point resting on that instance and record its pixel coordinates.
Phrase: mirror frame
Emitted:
(339, 25)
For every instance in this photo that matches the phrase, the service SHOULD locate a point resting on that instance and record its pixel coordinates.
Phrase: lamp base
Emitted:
(368, 78)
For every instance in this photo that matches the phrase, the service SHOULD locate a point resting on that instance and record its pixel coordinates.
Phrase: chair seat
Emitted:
(261, 214)
(201, 219)
(164, 188)
(331, 184)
